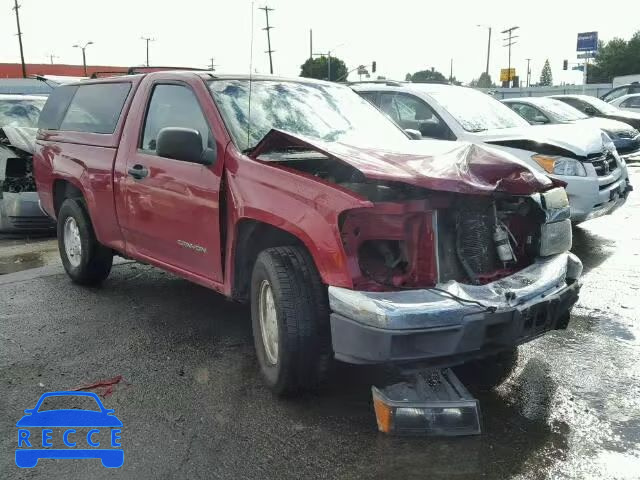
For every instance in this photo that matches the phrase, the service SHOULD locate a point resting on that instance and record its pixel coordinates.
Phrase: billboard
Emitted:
(587, 42)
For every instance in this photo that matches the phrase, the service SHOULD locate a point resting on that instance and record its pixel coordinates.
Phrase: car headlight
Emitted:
(560, 165)
(607, 133)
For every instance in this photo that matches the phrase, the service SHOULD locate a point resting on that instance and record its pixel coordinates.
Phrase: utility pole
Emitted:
(24, 68)
(212, 66)
(451, 73)
(488, 46)
(268, 28)
(510, 41)
(310, 44)
(148, 39)
(52, 56)
(528, 71)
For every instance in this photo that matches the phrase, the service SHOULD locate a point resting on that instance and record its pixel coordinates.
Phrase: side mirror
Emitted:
(589, 110)
(413, 134)
(180, 144)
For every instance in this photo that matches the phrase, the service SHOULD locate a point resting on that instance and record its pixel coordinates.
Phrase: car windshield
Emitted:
(560, 110)
(69, 402)
(20, 113)
(476, 111)
(601, 105)
(327, 112)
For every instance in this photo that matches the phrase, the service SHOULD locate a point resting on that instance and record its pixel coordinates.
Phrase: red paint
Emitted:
(145, 219)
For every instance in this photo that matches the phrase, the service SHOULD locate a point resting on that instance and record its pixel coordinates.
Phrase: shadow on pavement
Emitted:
(592, 249)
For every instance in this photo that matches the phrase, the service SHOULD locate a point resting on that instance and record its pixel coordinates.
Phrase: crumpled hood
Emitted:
(22, 138)
(437, 165)
(581, 140)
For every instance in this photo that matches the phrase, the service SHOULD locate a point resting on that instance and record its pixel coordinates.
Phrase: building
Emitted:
(14, 70)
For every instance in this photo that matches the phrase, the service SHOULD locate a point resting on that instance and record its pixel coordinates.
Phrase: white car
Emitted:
(629, 102)
(583, 157)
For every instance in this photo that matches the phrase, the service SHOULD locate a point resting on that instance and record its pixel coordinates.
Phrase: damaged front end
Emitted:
(19, 203)
(458, 256)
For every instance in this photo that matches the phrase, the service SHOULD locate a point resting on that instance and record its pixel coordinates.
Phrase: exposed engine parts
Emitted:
(16, 168)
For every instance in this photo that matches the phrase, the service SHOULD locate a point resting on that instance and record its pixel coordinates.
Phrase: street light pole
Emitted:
(528, 71)
(84, 58)
(148, 39)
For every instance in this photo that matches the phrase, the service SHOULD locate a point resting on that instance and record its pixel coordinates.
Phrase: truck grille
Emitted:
(32, 223)
(604, 164)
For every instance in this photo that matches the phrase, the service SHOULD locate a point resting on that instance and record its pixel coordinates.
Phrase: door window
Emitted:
(409, 111)
(529, 113)
(174, 106)
(631, 102)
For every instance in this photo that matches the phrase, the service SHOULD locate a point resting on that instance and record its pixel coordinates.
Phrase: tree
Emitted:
(616, 57)
(427, 76)
(319, 68)
(546, 78)
(484, 81)
(407, 77)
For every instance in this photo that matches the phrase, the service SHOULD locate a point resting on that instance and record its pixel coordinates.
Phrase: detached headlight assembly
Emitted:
(560, 165)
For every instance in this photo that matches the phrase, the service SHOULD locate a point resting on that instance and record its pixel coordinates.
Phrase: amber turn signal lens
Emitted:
(545, 161)
(383, 415)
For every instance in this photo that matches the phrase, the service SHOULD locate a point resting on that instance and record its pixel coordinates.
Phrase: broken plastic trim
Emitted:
(433, 403)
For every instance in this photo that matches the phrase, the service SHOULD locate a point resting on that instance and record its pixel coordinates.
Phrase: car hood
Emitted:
(606, 124)
(459, 167)
(578, 139)
(69, 418)
(22, 138)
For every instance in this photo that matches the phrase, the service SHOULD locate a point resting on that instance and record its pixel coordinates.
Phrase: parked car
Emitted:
(629, 102)
(19, 203)
(594, 107)
(545, 110)
(584, 158)
(617, 92)
(348, 239)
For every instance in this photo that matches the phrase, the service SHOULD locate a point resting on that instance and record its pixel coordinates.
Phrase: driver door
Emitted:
(171, 213)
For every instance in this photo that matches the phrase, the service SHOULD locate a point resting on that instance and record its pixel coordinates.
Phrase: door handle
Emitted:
(138, 171)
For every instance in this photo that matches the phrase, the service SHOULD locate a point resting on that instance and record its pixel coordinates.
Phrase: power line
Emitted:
(268, 29)
(24, 68)
(510, 41)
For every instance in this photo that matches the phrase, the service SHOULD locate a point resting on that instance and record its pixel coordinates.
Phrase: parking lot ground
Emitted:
(193, 405)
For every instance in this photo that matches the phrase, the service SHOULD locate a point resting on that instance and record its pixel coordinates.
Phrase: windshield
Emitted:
(20, 113)
(560, 110)
(328, 112)
(601, 105)
(476, 111)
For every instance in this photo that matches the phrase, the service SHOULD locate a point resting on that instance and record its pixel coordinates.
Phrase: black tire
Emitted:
(302, 311)
(487, 373)
(95, 259)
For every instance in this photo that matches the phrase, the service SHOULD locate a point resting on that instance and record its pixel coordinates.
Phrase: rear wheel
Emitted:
(290, 316)
(85, 260)
(489, 372)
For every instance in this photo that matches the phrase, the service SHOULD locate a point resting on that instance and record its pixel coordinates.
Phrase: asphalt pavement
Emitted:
(176, 362)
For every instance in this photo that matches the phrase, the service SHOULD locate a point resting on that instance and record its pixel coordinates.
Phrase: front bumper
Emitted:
(430, 325)
(591, 197)
(21, 212)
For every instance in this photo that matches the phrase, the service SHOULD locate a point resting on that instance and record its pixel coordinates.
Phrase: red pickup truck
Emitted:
(349, 239)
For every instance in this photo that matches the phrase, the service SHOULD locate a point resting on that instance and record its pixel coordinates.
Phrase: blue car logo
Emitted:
(42, 430)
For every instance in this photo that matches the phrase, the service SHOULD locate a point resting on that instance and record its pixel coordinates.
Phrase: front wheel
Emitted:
(85, 260)
(290, 316)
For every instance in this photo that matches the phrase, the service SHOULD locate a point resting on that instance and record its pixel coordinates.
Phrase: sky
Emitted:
(401, 36)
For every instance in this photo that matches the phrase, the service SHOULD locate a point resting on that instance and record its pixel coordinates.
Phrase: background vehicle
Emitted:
(619, 91)
(628, 102)
(544, 110)
(19, 203)
(329, 229)
(596, 178)
(594, 107)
